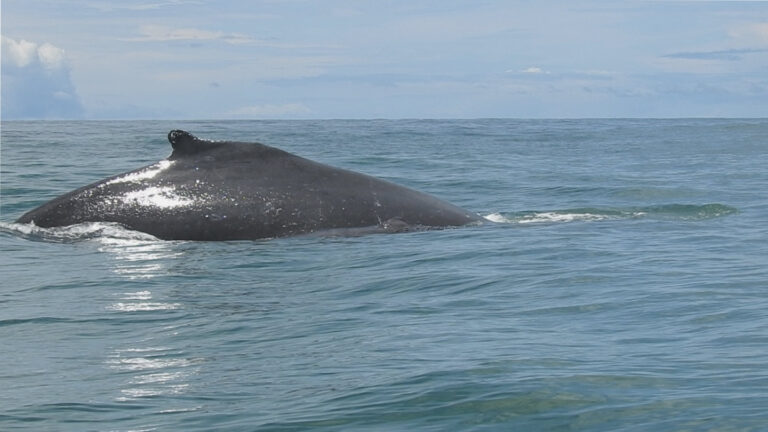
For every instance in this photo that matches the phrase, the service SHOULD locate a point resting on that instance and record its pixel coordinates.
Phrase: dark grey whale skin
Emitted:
(221, 190)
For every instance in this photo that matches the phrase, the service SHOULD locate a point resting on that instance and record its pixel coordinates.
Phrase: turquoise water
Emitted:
(623, 286)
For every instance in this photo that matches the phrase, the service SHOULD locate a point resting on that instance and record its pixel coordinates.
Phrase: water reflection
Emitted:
(140, 301)
(153, 371)
(141, 259)
(150, 363)
(142, 307)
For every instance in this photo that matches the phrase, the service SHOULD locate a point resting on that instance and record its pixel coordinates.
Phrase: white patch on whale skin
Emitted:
(162, 197)
(145, 174)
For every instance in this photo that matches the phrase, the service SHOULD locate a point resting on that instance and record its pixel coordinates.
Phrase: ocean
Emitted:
(621, 284)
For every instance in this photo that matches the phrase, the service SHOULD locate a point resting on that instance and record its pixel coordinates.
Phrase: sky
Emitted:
(329, 59)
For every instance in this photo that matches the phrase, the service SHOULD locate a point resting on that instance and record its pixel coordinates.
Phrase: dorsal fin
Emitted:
(180, 139)
(184, 143)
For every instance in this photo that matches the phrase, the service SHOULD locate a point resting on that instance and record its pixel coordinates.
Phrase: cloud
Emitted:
(760, 30)
(50, 57)
(731, 54)
(36, 82)
(138, 6)
(161, 33)
(754, 33)
(534, 71)
(158, 33)
(269, 110)
(19, 53)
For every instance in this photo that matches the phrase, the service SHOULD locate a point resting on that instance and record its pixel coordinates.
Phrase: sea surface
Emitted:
(620, 284)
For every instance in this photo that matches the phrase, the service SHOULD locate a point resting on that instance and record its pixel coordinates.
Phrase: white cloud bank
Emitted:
(159, 33)
(269, 110)
(755, 33)
(36, 82)
(535, 71)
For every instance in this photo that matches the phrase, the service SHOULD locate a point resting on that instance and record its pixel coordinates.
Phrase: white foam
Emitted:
(106, 231)
(142, 306)
(556, 217)
(552, 217)
(145, 174)
(497, 217)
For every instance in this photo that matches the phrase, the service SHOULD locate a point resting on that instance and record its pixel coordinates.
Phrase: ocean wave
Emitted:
(681, 212)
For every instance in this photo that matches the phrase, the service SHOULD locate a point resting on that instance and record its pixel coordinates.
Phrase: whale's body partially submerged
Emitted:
(220, 190)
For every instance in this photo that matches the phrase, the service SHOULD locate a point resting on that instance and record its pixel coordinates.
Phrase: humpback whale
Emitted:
(225, 190)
